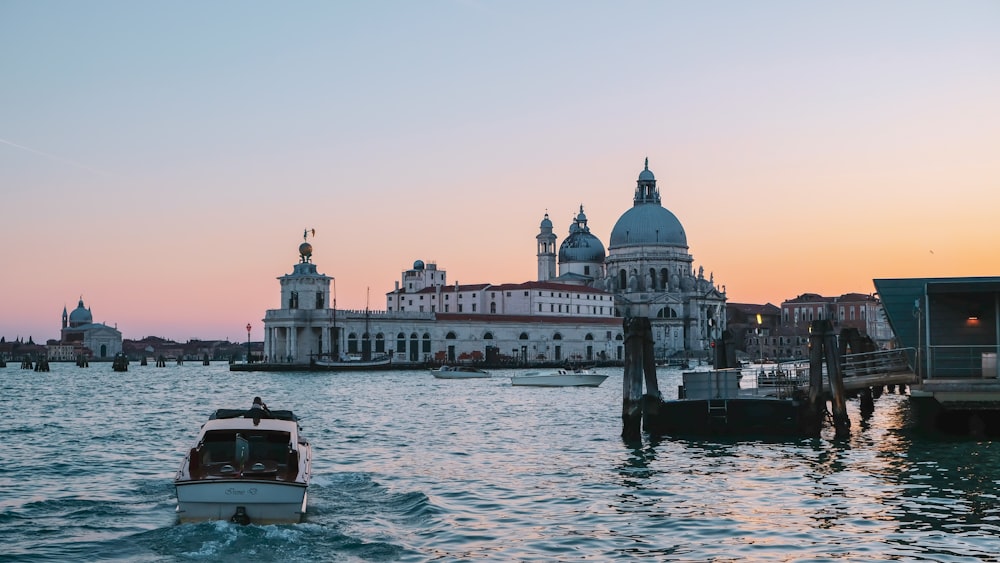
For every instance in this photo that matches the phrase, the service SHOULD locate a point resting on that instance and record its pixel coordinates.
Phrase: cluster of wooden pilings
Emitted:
(640, 368)
(823, 346)
(120, 362)
(640, 365)
(28, 363)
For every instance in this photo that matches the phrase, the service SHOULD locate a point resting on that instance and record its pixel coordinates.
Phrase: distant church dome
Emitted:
(546, 224)
(81, 315)
(580, 245)
(648, 223)
(418, 265)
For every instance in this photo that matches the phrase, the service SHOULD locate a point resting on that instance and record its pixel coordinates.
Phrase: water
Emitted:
(411, 468)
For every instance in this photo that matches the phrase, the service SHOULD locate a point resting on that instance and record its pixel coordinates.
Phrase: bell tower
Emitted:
(546, 250)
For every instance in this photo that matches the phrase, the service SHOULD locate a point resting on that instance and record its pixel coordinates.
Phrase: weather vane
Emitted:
(307, 232)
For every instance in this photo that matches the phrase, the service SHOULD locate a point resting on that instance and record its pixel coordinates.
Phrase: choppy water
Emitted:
(411, 468)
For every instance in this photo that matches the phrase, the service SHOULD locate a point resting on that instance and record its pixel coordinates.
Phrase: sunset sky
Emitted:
(162, 159)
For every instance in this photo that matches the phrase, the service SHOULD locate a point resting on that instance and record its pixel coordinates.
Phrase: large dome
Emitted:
(81, 315)
(648, 223)
(645, 225)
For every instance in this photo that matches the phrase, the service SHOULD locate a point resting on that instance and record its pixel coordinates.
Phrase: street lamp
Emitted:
(248, 343)
(760, 335)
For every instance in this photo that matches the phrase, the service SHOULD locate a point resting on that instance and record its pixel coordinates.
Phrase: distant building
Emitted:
(426, 319)
(651, 274)
(80, 331)
(572, 313)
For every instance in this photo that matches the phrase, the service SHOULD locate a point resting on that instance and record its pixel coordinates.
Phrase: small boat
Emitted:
(559, 378)
(246, 468)
(346, 363)
(459, 372)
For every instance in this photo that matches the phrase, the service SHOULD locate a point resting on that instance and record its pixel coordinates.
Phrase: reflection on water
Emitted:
(411, 468)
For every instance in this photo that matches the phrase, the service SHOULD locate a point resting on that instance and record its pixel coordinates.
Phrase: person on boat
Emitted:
(259, 410)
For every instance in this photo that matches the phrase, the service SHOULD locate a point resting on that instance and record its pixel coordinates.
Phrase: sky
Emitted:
(161, 160)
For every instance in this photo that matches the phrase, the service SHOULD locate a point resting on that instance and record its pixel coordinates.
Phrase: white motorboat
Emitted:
(559, 378)
(246, 469)
(459, 372)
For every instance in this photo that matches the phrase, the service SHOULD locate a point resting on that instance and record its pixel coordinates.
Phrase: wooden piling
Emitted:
(637, 331)
(838, 399)
(817, 400)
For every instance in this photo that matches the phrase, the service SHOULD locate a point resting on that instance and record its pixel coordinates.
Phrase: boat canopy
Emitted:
(245, 413)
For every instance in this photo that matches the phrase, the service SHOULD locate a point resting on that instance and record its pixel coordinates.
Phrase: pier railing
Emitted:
(876, 363)
(869, 369)
(961, 362)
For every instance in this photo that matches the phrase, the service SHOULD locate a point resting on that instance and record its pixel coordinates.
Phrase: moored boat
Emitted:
(559, 378)
(351, 363)
(459, 372)
(248, 466)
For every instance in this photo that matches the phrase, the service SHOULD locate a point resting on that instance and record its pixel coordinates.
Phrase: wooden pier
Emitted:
(791, 399)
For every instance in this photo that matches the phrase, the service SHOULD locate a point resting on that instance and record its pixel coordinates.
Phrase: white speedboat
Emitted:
(559, 378)
(459, 372)
(245, 469)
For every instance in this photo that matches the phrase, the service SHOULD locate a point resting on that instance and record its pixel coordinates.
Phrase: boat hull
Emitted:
(265, 502)
(323, 365)
(568, 380)
(461, 375)
(750, 416)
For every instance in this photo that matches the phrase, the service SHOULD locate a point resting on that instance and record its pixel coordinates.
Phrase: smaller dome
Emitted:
(418, 265)
(305, 250)
(546, 223)
(581, 246)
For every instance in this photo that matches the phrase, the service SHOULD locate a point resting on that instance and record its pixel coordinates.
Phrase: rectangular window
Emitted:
(445, 307)
(539, 307)
(473, 307)
(459, 307)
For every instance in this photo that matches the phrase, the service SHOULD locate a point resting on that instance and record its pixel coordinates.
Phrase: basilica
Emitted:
(572, 312)
(81, 335)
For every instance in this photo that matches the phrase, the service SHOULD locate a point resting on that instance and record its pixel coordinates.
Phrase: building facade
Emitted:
(571, 312)
(81, 335)
(651, 273)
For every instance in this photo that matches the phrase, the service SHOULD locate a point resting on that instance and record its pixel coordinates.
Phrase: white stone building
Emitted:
(572, 314)
(80, 331)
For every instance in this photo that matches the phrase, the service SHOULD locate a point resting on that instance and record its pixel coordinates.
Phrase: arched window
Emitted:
(589, 336)
(401, 342)
(493, 308)
(427, 343)
(352, 343)
(488, 336)
(450, 336)
(622, 279)
(557, 336)
(380, 343)
(524, 336)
